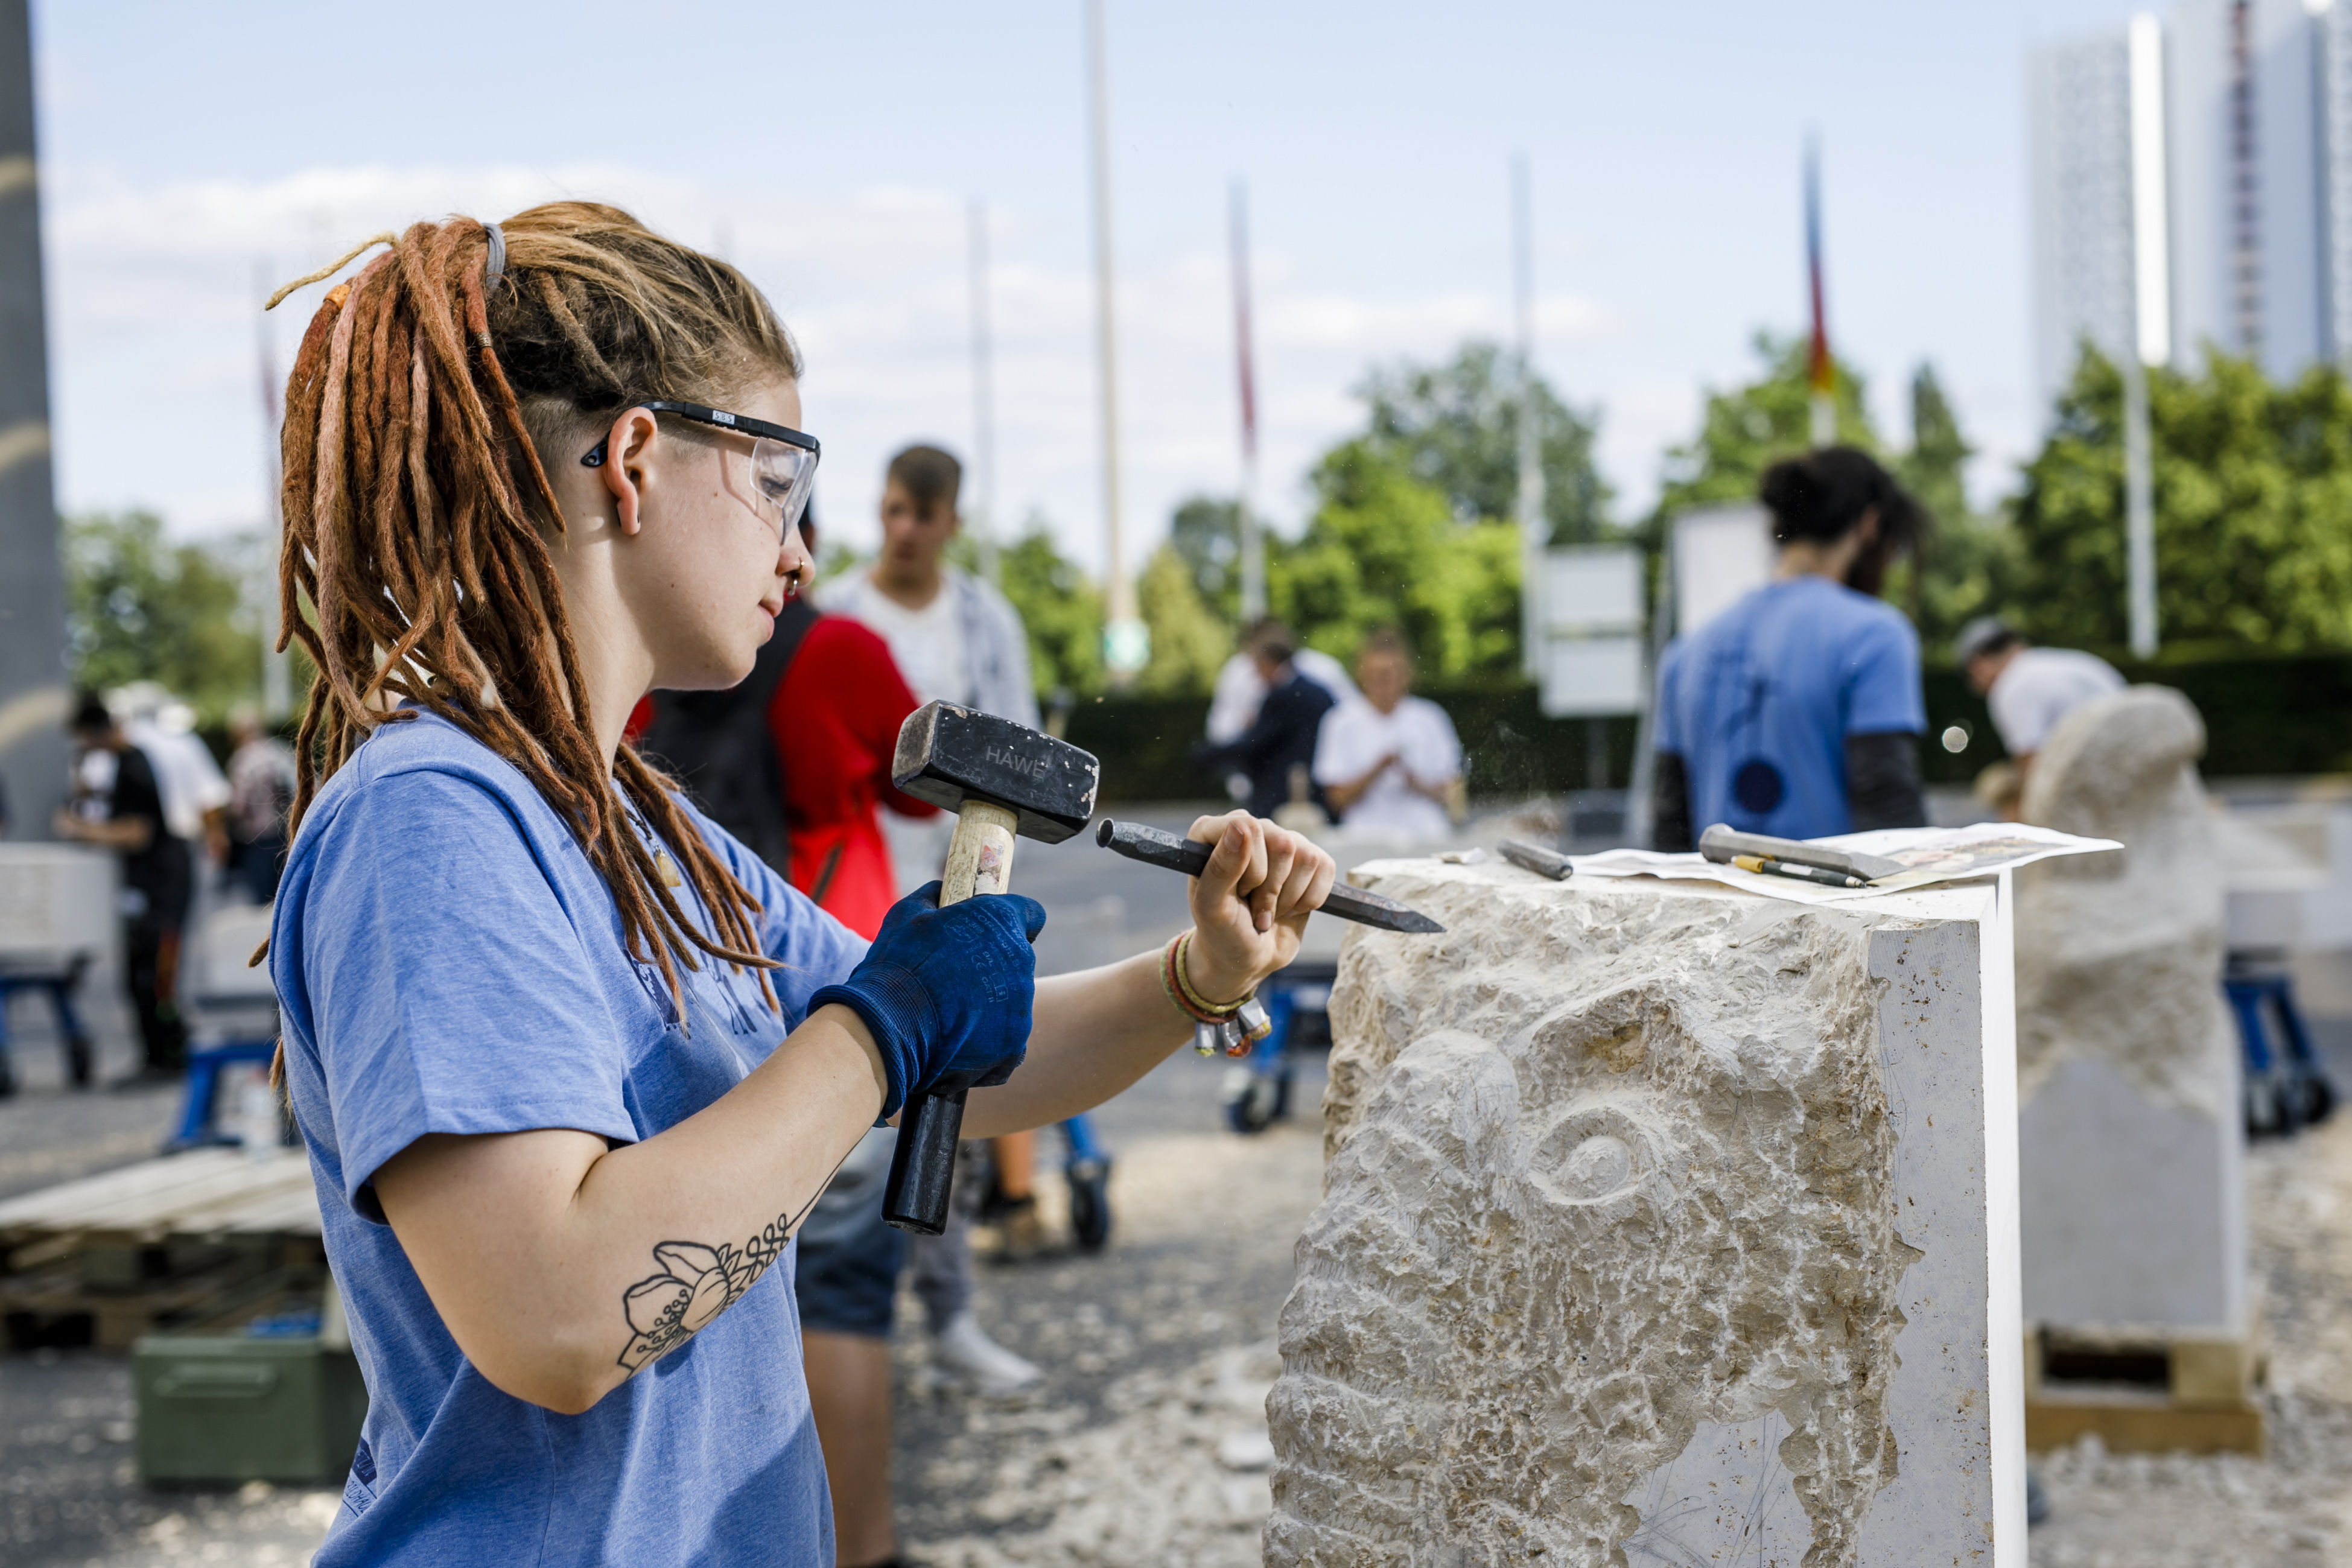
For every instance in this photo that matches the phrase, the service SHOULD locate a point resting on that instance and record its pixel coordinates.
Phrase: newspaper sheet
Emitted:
(1932, 855)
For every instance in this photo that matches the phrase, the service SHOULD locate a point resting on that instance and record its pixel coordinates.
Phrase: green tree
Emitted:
(2253, 510)
(1061, 609)
(1747, 430)
(1967, 565)
(139, 607)
(1189, 640)
(1206, 534)
(1384, 548)
(1456, 427)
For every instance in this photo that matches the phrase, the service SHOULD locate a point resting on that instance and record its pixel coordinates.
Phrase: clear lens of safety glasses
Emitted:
(783, 474)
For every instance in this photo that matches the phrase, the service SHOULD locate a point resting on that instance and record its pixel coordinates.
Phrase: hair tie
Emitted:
(496, 266)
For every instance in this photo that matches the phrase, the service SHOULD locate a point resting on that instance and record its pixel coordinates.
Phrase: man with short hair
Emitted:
(2028, 689)
(955, 638)
(1389, 761)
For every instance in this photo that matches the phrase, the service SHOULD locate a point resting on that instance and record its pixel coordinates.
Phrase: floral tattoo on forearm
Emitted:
(696, 1283)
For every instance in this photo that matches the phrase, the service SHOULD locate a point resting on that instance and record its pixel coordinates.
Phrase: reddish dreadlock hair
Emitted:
(429, 391)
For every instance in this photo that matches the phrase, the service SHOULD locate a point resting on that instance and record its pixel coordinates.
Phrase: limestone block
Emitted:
(2131, 1144)
(1662, 1223)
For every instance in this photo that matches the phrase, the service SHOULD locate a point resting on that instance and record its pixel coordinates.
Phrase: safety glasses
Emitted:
(783, 460)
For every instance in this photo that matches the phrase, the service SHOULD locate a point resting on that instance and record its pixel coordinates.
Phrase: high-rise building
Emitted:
(2192, 178)
(2078, 98)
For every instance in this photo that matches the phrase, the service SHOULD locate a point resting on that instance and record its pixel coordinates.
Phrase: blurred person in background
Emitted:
(2028, 690)
(260, 790)
(955, 639)
(1389, 762)
(1276, 752)
(195, 792)
(116, 804)
(1798, 711)
(1241, 688)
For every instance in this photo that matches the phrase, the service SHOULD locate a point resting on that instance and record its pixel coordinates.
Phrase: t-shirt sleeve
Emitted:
(447, 985)
(1336, 748)
(1883, 691)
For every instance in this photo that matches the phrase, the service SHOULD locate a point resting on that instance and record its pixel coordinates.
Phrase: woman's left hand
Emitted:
(1251, 903)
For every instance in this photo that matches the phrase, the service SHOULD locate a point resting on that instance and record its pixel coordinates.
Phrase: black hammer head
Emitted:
(947, 755)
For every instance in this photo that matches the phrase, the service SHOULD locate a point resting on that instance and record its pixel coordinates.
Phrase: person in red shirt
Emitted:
(842, 701)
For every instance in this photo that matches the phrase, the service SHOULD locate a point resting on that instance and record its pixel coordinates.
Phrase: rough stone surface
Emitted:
(1610, 1261)
(2119, 955)
(2131, 1147)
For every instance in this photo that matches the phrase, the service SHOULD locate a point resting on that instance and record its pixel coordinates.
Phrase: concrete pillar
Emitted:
(33, 684)
(1660, 1220)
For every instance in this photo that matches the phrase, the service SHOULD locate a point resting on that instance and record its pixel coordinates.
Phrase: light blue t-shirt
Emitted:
(1759, 702)
(448, 961)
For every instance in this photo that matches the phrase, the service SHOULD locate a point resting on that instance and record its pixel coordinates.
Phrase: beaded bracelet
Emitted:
(1173, 980)
(1236, 1027)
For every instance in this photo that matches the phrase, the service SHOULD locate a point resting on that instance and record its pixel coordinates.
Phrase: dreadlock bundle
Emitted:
(416, 506)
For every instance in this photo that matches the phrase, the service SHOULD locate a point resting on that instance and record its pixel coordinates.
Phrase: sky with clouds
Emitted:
(193, 156)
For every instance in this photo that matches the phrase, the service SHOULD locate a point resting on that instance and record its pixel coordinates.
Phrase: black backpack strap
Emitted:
(719, 746)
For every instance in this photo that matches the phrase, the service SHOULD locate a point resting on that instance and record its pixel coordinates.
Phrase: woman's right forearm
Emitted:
(563, 1267)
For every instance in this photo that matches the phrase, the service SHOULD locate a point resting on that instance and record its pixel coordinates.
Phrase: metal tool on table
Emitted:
(1002, 780)
(1154, 846)
(1726, 845)
(1537, 859)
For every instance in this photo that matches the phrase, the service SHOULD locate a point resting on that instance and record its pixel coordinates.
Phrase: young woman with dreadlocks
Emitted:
(569, 1061)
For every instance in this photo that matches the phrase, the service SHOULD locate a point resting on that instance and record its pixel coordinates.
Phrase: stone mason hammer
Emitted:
(1000, 779)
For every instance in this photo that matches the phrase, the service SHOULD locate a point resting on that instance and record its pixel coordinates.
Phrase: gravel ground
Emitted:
(2292, 1508)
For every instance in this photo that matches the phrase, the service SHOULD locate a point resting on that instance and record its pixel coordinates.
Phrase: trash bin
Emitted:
(267, 1389)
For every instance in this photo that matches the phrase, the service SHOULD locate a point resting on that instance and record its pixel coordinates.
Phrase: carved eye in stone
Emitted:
(1593, 1153)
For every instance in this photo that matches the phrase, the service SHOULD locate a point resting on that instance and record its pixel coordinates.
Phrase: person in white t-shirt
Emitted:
(1389, 761)
(2028, 689)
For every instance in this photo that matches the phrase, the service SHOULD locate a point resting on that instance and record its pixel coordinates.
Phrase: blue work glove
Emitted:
(946, 992)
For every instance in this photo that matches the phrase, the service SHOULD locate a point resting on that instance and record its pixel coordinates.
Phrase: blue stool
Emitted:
(197, 1126)
(2284, 1091)
(58, 986)
(1257, 1091)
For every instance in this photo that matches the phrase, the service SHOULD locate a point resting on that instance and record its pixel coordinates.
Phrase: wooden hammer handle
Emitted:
(922, 1164)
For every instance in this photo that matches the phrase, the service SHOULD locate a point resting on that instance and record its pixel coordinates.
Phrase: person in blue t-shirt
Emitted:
(571, 1064)
(1798, 711)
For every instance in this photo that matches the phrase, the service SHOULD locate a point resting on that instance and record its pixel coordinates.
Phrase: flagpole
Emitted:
(276, 684)
(983, 412)
(1533, 533)
(1126, 641)
(1252, 543)
(1821, 370)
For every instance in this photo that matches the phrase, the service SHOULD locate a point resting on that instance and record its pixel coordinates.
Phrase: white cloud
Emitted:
(155, 290)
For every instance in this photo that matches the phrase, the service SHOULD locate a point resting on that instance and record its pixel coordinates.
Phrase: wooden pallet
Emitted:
(2145, 1392)
(203, 1194)
(45, 1303)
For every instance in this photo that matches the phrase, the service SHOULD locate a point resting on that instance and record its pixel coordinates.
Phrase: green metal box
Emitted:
(247, 1395)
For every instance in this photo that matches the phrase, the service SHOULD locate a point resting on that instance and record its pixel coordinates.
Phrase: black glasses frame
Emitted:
(721, 419)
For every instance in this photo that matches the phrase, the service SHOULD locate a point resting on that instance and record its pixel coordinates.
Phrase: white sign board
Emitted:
(1587, 678)
(1592, 660)
(1720, 556)
(56, 902)
(1594, 589)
